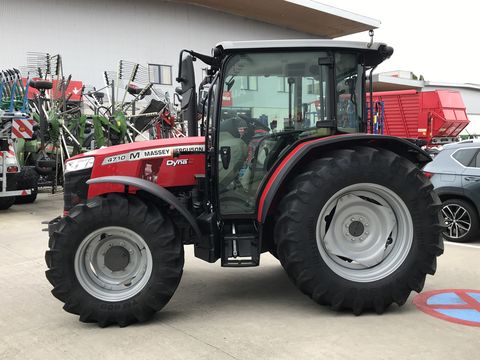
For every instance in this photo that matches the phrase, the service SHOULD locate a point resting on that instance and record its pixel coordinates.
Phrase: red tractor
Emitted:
(349, 215)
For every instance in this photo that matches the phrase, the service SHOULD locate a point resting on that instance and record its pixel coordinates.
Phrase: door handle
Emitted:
(472, 178)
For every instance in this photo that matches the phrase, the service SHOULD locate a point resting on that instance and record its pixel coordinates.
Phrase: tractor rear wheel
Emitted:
(114, 260)
(359, 229)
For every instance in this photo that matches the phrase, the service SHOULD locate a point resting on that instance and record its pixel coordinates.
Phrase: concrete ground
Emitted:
(253, 313)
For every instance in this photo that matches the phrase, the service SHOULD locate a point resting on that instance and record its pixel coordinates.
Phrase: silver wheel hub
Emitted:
(457, 219)
(364, 232)
(113, 263)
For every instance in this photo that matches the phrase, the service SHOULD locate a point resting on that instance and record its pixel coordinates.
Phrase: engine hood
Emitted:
(167, 162)
(129, 151)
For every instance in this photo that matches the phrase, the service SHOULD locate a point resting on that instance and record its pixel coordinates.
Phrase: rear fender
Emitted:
(154, 189)
(312, 149)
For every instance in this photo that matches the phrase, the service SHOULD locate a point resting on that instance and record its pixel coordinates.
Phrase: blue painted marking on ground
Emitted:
(449, 298)
(462, 314)
(476, 296)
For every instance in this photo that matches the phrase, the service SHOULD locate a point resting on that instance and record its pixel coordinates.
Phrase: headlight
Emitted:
(9, 161)
(11, 164)
(79, 164)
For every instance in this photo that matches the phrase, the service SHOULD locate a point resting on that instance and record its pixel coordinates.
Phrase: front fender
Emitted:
(310, 149)
(155, 190)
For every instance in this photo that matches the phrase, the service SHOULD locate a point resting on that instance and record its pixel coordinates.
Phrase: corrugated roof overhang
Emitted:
(307, 16)
(392, 83)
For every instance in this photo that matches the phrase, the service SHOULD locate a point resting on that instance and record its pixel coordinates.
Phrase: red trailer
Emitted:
(437, 116)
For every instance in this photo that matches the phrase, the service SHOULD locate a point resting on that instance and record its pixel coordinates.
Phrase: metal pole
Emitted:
(371, 99)
(4, 172)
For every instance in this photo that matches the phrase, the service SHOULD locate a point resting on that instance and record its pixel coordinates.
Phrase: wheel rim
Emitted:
(364, 232)
(113, 263)
(458, 221)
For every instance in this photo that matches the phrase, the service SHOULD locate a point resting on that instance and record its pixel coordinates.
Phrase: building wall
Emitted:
(92, 35)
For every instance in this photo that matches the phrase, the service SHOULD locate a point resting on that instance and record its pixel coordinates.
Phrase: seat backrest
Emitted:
(154, 106)
(41, 84)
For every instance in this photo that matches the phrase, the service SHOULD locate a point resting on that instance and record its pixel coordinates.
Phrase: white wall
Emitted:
(92, 35)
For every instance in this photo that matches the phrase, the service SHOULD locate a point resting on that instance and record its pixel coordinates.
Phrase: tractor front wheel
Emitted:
(359, 229)
(114, 260)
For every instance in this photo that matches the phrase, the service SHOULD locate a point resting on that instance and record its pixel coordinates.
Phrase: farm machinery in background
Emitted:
(127, 108)
(47, 118)
(17, 183)
(433, 118)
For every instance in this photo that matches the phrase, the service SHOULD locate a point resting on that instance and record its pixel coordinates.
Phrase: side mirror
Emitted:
(186, 78)
(225, 155)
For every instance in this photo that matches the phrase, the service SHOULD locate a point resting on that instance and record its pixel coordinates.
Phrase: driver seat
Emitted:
(41, 84)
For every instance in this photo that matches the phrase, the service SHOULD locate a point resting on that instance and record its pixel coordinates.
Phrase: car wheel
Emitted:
(461, 220)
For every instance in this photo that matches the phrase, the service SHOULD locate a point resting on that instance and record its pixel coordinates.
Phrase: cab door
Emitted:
(274, 99)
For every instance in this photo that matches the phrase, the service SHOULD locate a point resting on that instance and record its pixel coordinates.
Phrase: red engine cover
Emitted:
(167, 162)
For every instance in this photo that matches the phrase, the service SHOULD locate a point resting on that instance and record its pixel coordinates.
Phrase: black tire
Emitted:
(127, 212)
(27, 180)
(470, 216)
(296, 229)
(274, 253)
(45, 166)
(7, 201)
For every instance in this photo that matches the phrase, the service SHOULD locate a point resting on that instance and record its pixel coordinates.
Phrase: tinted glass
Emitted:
(465, 156)
(272, 99)
(477, 160)
(348, 81)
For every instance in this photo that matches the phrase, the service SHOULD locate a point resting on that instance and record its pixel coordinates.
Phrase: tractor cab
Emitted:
(263, 98)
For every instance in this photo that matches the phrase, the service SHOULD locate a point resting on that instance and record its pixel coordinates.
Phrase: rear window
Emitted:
(465, 156)
(476, 161)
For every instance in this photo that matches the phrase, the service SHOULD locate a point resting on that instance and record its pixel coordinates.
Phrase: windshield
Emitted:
(269, 100)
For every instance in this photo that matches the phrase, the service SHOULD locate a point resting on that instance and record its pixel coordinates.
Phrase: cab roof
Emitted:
(376, 52)
(296, 43)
